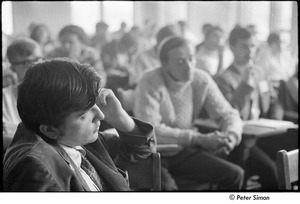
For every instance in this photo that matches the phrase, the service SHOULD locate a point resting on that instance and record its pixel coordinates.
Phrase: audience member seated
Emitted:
(148, 32)
(184, 32)
(170, 98)
(8, 76)
(213, 56)
(288, 97)
(58, 147)
(260, 44)
(276, 60)
(101, 36)
(41, 34)
(118, 57)
(149, 59)
(20, 53)
(205, 27)
(244, 87)
(73, 42)
(117, 35)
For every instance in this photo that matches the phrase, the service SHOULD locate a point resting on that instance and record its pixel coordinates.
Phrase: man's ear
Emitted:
(49, 131)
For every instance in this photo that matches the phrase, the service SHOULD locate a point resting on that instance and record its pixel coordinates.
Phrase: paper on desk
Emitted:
(276, 124)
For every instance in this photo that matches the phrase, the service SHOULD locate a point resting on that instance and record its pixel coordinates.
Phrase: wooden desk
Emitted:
(258, 128)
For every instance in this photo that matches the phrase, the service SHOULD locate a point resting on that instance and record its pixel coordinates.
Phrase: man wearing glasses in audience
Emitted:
(20, 53)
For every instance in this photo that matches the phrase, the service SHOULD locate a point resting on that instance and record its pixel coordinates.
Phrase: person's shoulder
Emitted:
(152, 78)
(9, 91)
(201, 75)
(153, 73)
(231, 70)
(28, 144)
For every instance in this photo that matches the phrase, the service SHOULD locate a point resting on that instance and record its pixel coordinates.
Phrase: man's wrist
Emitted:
(123, 122)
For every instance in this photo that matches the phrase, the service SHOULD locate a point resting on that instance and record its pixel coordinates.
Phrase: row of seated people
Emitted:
(124, 59)
(170, 98)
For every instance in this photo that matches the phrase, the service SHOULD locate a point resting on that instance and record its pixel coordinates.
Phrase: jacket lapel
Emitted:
(105, 167)
(70, 162)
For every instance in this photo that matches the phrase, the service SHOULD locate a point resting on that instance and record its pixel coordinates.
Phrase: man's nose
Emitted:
(189, 64)
(98, 113)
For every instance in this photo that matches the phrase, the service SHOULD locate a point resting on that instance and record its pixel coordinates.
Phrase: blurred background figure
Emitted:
(8, 76)
(204, 28)
(118, 56)
(41, 34)
(253, 96)
(101, 36)
(260, 44)
(149, 59)
(289, 96)
(213, 56)
(73, 44)
(20, 54)
(149, 31)
(186, 33)
(119, 33)
(276, 60)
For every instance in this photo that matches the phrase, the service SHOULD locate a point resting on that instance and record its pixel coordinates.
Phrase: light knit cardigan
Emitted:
(153, 104)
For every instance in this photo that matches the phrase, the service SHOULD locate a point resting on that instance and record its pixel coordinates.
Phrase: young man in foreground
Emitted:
(61, 105)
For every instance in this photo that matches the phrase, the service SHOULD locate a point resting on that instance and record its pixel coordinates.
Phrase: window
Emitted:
(116, 12)
(86, 14)
(7, 18)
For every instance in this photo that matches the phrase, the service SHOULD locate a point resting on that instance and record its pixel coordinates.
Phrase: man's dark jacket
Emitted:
(32, 163)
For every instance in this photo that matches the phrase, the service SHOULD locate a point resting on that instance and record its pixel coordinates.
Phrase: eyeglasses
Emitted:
(27, 62)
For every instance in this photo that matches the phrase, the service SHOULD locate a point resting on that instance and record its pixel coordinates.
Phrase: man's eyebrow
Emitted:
(80, 113)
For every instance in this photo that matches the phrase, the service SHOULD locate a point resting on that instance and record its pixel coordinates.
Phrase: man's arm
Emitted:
(148, 107)
(114, 114)
(136, 138)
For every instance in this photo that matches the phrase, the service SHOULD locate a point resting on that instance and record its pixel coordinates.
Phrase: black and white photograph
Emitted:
(195, 99)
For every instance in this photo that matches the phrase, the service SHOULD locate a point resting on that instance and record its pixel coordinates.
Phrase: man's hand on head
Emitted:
(114, 114)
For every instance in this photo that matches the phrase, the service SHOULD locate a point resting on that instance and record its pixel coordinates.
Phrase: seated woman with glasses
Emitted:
(20, 53)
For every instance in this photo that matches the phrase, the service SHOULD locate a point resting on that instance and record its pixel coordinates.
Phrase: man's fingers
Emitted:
(104, 94)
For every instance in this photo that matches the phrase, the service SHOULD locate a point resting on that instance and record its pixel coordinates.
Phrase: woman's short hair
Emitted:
(239, 33)
(76, 30)
(169, 44)
(53, 89)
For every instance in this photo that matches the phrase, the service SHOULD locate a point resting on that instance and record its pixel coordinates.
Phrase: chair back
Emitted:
(287, 168)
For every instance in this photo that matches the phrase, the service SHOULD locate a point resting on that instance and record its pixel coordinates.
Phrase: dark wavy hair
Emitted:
(238, 33)
(53, 89)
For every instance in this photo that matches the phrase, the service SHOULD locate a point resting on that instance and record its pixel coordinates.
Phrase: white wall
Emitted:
(54, 14)
(220, 13)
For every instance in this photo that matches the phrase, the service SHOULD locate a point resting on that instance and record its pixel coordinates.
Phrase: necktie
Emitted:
(91, 172)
